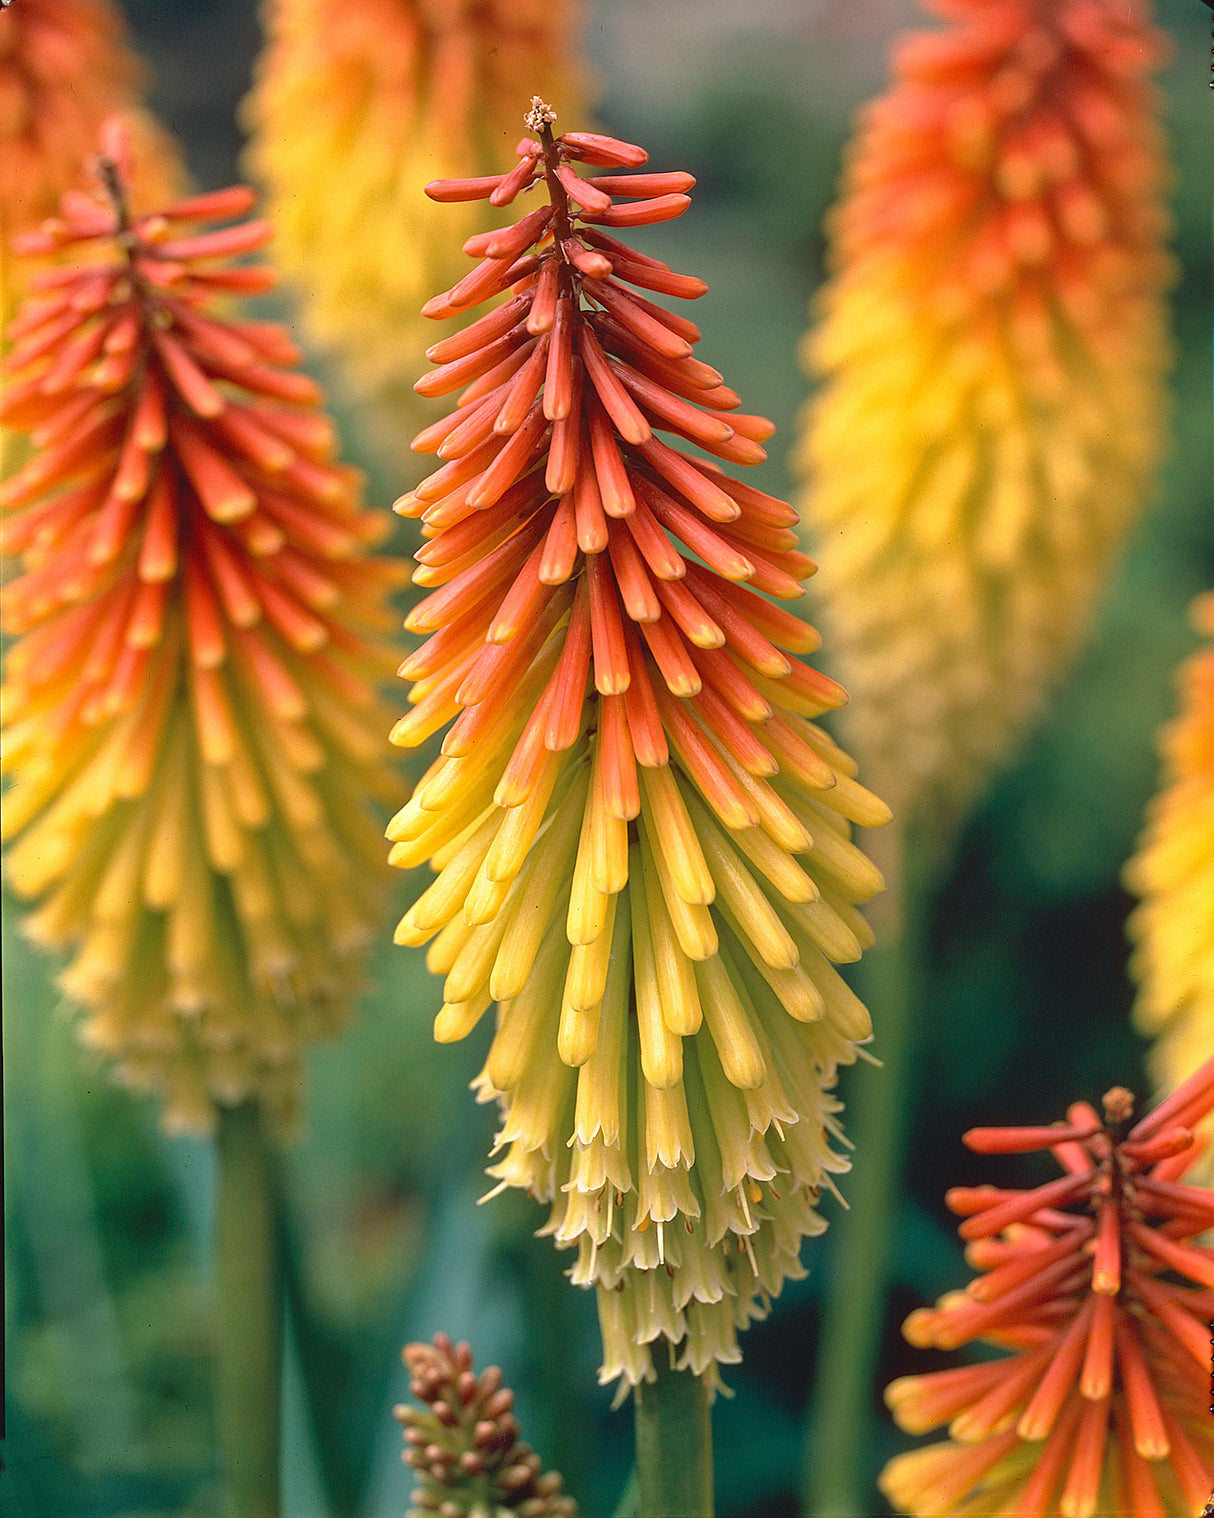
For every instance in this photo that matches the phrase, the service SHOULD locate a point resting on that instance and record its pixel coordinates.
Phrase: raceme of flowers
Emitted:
(641, 835)
(463, 1443)
(189, 716)
(1173, 872)
(356, 102)
(64, 68)
(991, 348)
(1097, 1283)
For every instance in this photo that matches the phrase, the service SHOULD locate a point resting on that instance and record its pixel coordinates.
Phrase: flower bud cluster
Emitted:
(463, 1442)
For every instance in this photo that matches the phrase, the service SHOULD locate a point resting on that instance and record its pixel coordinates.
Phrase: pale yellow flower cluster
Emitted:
(357, 104)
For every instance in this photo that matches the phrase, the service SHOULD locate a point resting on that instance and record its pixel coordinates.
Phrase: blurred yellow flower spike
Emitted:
(991, 347)
(1173, 873)
(189, 717)
(640, 834)
(356, 103)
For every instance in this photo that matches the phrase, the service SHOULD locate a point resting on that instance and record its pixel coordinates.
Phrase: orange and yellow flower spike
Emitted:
(190, 724)
(65, 67)
(991, 349)
(1173, 872)
(356, 102)
(641, 836)
(1098, 1286)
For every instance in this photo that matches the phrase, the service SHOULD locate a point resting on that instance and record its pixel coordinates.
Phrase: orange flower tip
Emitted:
(408, 505)
(612, 682)
(216, 205)
(513, 184)
(1021, 1140)
(231, 504)
(439, 307)
(1153, 1448)
(581, 191)
(1163, 1146)
(447, 190)
(46, 240)
(641, 213)
(919, 1328)
(1193, 1098)
(672, 182)
(966, 1200)
(603, 152)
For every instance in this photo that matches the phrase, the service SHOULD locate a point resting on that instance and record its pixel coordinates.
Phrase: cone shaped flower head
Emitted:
(463, 1443)
(1173, 872)
(641, 835)
(189, 720)
(357, 102)
(991, 348)
(65, 67)
(1097, 1284)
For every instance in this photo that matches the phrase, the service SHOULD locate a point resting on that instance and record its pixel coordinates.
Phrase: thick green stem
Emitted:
(248, 1284)
(674, 1443)
(835, 1483)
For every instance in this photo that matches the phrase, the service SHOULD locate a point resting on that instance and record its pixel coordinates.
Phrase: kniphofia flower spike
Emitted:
(991, 345)
(65, 66)
(189, 713)
(1098, 1284)
(1173, 872)
(640, 833)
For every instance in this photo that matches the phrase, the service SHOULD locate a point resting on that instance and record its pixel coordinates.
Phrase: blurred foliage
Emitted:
(107, 1298)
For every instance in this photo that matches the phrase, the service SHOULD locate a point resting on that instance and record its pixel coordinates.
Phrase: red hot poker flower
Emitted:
(189, 711)
(642, 839)
(992, 346)
(1099, 1284)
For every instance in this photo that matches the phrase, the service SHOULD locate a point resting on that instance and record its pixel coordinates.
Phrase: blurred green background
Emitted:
(107, 1303)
